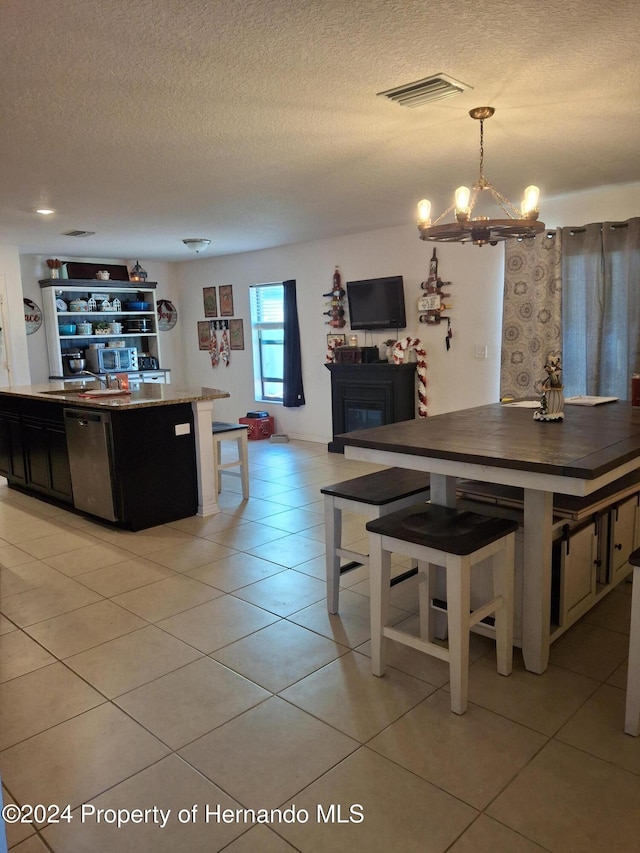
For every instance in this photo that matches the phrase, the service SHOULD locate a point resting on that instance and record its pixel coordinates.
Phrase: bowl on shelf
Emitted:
(138, 306)
(67, 328)
(77, 364)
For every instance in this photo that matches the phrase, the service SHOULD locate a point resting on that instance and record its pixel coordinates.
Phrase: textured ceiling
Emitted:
(256, 123)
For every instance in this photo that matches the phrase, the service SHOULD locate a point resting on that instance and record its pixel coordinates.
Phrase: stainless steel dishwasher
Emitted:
(90, 446)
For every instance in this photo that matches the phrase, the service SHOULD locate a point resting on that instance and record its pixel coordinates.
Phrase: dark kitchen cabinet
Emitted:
(33, 449)
(47, 459)
(12, 463)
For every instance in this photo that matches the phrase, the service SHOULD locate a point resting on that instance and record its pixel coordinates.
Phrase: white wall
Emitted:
(13, 334)
(455, 378)
(604, 204)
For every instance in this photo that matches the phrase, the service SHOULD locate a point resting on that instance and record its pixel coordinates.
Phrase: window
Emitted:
(267, 329)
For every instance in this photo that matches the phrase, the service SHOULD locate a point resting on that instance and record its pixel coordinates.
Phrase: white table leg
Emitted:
(536, 596)
(206, 462)
(443, 489)
(632, 714)
(443, 493)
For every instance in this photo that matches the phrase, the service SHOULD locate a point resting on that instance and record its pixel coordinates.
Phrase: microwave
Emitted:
(112, 359)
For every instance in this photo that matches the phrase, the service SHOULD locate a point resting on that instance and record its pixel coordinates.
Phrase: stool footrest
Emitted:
(417, 643)
(482, 612)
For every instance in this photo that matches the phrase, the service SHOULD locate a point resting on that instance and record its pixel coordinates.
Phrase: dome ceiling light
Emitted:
(481, 229)
(196, 244)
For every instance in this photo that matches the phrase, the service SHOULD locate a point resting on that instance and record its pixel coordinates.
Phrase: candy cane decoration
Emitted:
(330, 357)
(398, 358)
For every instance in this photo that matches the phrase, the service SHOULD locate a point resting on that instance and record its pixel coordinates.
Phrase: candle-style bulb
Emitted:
(424, 212)
(463, 194)
(530, 202)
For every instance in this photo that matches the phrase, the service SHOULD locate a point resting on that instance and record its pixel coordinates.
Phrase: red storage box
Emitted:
(258, 427)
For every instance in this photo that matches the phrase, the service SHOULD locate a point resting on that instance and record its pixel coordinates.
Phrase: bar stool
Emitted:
(632, 711)
(458, 540)
(238, 433)
(372, 495)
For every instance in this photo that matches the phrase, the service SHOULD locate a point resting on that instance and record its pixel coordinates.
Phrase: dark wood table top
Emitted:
(589, 442)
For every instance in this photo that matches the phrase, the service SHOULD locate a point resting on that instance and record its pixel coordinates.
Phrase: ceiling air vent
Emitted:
(424, 91)
(78, 233)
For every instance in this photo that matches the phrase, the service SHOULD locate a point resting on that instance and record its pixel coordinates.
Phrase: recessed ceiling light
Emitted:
(45, 211)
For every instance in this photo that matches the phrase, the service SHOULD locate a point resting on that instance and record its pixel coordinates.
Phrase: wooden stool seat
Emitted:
(457, 540)
(632, 711)
(236, 432)
(372, 495)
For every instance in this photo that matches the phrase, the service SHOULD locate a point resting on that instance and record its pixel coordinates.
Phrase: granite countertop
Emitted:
(145, 395)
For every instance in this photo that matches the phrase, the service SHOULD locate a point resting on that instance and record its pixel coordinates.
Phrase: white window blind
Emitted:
(267, 332)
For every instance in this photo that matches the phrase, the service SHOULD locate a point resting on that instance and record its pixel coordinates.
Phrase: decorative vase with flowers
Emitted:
(552, 399)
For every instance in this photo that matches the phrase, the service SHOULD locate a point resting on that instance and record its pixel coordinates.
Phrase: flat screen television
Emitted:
(376, 303)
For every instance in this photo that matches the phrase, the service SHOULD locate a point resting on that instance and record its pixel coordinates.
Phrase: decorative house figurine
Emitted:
(106, 305)
(552, 399)
(92, 305)
(116, 305)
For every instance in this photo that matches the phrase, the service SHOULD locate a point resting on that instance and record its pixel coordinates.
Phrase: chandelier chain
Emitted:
(481, 149)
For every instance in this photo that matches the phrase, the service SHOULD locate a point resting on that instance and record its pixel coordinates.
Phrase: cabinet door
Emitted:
(578, 555)
(47, 459)
(37, 455)
(60, 473)
(624, 524)
(12, 464)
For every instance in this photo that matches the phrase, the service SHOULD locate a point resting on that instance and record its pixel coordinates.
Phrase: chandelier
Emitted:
(481, 230)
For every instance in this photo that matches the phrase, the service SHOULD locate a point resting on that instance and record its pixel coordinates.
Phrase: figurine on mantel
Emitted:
(552, 399)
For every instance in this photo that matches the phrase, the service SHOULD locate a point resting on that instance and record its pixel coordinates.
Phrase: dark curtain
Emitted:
(293, 392)
(601, 307)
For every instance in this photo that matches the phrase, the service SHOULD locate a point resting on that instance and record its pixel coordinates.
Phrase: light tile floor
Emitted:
(193, 668)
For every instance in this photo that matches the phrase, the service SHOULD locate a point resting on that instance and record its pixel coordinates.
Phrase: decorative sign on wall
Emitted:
(167, 315)
(210, 302)
(226, 300)
(32, 316)
(236, 334)
(204, 334)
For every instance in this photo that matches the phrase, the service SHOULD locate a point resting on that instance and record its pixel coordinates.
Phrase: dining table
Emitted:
(591, 447)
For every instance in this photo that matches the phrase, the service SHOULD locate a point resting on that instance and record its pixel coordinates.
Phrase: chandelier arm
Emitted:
(445, 213)
(504, 202)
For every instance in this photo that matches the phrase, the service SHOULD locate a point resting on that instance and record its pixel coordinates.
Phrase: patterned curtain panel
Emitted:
(531, 321)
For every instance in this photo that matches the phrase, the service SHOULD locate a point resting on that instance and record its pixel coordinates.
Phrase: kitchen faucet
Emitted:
(108, 381)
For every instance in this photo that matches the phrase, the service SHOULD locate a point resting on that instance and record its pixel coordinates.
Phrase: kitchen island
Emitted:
(136, 460)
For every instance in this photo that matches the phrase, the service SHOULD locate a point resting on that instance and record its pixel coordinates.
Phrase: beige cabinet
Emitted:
(623, 538)
(575, 566)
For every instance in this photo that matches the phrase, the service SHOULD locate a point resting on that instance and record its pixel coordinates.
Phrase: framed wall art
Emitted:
(236, 334)
(226, 300)
(210, 302)
(336, 340)
(204, 334)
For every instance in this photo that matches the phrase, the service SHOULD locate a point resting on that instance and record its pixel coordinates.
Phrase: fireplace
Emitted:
(370, 395)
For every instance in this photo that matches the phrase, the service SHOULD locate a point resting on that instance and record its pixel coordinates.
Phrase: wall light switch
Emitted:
(183, 429)
(480, 351)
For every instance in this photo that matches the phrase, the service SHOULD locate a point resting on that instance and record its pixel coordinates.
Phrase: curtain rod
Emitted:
(613, 226)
